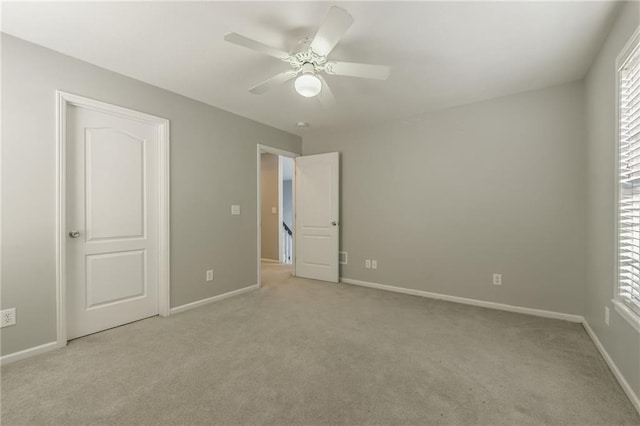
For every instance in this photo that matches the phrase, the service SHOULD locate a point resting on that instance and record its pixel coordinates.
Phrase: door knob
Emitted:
(74, 234)
(334, 223)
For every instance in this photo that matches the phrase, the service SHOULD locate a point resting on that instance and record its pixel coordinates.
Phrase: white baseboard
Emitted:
(202, 302)
(613, 367)
(467, 301)
(28, 353)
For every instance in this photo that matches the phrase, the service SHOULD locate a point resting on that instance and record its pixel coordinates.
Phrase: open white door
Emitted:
(317, 208)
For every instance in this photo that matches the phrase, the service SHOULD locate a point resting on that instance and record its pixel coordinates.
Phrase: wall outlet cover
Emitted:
(497, 279)
(235, 210)
(606, 315)
(210, 275)
(7, 317)
(367, 264)
(343, 257)
(374, 264)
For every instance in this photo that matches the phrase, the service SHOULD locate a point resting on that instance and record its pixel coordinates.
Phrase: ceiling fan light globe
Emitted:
(308, 85)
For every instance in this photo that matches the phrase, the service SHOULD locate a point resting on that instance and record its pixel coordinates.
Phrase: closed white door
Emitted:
(317, 209)
(111, 219)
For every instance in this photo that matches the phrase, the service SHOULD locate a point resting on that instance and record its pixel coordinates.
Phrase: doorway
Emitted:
(276, 204)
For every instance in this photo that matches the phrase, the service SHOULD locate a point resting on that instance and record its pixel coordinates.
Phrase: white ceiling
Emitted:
(441, 54)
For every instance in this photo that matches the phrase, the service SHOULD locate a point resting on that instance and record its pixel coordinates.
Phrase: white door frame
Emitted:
(271, 150)
(63, 101)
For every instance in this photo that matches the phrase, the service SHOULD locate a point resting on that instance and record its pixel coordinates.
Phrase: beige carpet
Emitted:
(305, 352)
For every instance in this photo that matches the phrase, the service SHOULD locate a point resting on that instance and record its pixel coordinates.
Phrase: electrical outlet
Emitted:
(367, 264)
(274, 210)
(342, 257)
(606, 315)
(7, 317)
(374, 264)
(210, 275)
(497, 279)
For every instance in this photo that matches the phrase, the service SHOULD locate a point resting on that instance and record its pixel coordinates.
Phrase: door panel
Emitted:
(112, 201)
(118, 211)
(317, 193)
(317, 209)
(316, 248)
(115, 277)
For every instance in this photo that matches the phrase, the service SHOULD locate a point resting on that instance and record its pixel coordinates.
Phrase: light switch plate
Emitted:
(235, 210)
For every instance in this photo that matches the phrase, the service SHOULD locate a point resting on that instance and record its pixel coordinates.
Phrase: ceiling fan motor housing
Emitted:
(308, 68)
(303, 60)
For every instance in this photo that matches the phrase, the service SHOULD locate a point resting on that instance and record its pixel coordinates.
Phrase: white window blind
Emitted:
(629, 182)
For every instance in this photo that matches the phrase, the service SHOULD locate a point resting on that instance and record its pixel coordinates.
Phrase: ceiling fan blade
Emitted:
(276, 80)
(334, 26)
(350, 69)
(325, 97)
(243, 41)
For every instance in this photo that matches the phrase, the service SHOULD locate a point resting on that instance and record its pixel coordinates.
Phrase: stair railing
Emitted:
(288, 243)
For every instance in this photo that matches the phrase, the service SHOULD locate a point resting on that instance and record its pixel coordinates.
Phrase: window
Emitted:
(628, 288)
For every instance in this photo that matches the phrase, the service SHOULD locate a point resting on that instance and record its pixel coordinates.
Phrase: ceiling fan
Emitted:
(310, 60)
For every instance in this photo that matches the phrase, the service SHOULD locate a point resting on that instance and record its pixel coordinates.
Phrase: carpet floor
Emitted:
(311, 353)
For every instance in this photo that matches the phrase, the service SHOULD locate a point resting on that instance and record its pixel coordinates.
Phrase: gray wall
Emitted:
(621, 341)
(287, 203)
(444, 201)
(213, 165)
(269, 186)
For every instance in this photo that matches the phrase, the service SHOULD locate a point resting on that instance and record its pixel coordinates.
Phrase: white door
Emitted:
(111, 220)
(317, 209)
